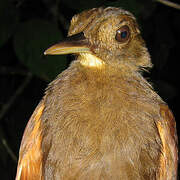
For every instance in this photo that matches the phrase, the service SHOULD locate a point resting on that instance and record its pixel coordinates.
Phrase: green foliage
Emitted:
(134, 6)
(31, 40)
(8, 20)
(82, 4)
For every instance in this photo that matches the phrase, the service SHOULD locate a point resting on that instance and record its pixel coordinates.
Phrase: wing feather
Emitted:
(169, 156)
(30, 154)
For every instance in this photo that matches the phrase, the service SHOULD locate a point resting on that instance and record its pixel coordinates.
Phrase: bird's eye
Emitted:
(122, 34)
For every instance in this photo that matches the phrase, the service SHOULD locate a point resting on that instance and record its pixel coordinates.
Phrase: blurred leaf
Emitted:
(8, 19)
(3, 153)
(31, 40)
(166, 90)
(82, 4)
(133, 6)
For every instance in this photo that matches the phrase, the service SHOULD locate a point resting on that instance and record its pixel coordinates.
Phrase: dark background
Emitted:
(28, 27)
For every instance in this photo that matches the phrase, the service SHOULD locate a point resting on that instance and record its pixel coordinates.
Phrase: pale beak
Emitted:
(71, 45)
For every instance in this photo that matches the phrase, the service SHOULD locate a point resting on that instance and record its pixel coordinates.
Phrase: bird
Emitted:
(100, 119)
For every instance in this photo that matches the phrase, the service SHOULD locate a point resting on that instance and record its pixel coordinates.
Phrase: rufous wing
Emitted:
(30, 154)
(169, 152)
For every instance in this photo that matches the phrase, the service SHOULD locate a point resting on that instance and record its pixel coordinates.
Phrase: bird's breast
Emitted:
(94, 120)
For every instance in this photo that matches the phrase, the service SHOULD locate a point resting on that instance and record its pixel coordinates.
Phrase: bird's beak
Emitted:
(71, 45)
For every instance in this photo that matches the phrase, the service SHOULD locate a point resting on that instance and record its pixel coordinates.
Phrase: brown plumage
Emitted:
(100, 119)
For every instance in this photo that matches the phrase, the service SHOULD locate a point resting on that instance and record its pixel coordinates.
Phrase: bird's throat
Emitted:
(90, 60)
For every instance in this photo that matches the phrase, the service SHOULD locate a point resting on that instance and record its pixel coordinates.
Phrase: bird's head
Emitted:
(103, 36)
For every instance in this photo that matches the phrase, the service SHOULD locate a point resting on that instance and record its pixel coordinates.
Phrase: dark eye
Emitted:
(122, 34)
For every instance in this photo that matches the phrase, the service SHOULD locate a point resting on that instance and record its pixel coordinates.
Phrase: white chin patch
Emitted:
(89, 60)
